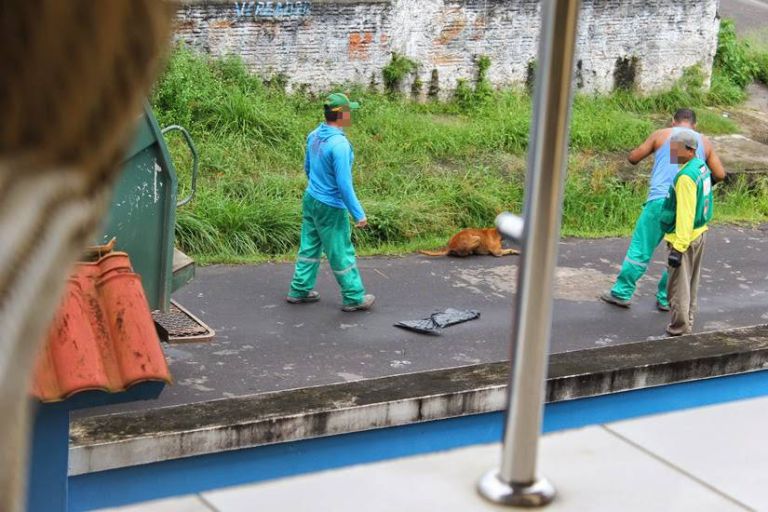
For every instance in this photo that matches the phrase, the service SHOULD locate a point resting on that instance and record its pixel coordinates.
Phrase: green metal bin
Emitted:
(142, 214)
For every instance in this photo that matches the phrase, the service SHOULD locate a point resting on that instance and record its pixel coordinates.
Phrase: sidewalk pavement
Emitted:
(705, 459)
(264, 344)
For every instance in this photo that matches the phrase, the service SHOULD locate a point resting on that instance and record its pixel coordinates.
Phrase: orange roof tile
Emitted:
(102, 337)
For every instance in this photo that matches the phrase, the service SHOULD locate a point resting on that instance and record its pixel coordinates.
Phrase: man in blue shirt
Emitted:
(329, 200)
(648, 233)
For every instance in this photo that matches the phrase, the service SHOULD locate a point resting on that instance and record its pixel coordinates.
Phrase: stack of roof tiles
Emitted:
(102, 337)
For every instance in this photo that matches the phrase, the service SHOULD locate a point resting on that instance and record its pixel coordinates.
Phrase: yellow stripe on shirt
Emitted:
(685, 234)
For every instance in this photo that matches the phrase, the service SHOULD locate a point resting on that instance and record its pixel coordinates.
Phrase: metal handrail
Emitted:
(195, 160)
(516, 482)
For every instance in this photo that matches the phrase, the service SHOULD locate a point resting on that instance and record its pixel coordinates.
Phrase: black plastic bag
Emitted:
(435, 322)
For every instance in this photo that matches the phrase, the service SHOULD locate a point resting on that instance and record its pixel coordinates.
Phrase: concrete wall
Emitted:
(316, 43)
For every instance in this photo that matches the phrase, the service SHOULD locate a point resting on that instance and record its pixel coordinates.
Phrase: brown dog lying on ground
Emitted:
(474, 241)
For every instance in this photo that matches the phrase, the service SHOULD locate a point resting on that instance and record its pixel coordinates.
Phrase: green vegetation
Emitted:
(735, 57)
(757, 52)
(483, 87)
(395, 72)
(422, 170)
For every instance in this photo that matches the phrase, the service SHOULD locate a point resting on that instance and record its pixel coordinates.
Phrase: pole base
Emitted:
(536, 494)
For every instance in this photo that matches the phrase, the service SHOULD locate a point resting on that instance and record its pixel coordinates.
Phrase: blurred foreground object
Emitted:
(72, 78)
(102, 349)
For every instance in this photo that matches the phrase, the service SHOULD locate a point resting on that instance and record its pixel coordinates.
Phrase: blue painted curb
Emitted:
(198, 474)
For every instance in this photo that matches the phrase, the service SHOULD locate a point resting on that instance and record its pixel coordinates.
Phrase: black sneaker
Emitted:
(312, 296)
(365, 305)
(610, 298)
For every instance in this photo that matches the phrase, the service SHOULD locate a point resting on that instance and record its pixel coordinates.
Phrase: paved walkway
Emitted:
(750, 15)
(706, 459)
(264, 344)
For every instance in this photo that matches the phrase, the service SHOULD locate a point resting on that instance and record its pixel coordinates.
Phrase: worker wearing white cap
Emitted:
(684, 217)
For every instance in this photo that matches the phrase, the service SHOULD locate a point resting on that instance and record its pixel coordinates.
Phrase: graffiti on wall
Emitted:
(271, 9)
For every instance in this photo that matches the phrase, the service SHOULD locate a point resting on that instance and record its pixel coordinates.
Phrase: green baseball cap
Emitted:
(337, 101)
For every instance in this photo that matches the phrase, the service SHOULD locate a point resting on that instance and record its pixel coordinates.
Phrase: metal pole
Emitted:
(516, 482)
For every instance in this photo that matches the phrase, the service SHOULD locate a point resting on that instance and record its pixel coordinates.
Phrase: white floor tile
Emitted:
(593, 470)
(723, 445)
(180, 504)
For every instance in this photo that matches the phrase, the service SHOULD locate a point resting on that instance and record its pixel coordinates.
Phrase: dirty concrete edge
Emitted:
(102, 442)
(235, 4)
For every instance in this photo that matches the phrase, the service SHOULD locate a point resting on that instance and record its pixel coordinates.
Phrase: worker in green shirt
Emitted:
(684, 217)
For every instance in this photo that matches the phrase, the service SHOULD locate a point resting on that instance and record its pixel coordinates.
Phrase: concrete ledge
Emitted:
(119, 440)
(598, 371)
(741, 155)
(190, 3)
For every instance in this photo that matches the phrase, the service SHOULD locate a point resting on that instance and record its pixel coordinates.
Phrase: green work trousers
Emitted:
(325, 229)
(645, 239)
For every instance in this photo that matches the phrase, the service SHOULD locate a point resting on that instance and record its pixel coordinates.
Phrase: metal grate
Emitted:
(179, 325)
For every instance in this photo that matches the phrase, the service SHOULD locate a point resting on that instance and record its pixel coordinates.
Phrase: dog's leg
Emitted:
(473, 246)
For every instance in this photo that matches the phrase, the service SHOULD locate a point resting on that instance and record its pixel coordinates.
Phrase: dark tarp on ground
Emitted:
(435, 322)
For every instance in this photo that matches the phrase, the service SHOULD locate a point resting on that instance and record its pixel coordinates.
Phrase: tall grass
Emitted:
(421, 170)
(757, 52)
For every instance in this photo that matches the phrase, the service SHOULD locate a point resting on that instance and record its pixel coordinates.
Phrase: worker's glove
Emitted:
(675, 258)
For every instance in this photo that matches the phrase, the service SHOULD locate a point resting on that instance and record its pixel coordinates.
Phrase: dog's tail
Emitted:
(444, 252)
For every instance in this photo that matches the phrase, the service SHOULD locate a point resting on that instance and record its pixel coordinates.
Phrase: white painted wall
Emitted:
(323, 42)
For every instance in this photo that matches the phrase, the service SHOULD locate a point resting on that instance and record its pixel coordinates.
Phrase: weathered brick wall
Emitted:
(317, 43)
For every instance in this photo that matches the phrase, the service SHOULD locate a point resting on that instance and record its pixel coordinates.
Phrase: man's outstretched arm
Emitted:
(643, 150)
(713, 162)
(342, 168)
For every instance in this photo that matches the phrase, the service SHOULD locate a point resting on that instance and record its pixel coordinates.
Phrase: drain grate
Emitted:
(179, 325)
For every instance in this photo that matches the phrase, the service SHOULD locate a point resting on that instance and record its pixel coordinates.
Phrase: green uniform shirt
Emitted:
(688, 207)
